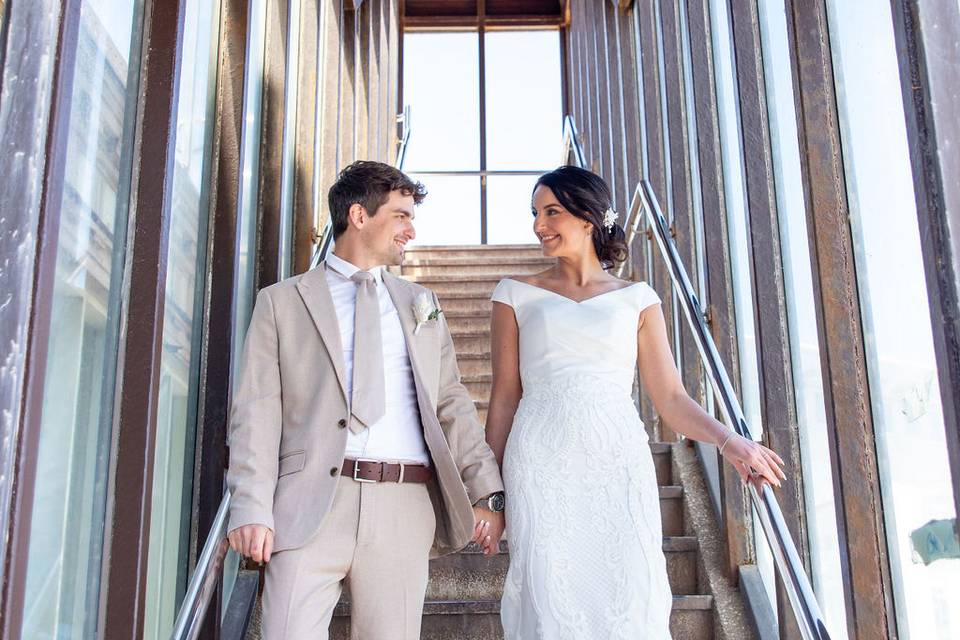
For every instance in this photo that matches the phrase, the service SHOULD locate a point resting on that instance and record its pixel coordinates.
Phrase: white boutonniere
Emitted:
(424, 311)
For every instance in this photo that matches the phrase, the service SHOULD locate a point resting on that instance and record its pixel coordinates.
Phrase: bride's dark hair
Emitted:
(587, 196)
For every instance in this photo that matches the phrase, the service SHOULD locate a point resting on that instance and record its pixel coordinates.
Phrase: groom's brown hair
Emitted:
(368, 184)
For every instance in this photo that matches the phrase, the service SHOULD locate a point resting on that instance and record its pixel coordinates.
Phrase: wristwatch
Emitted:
(494, 502)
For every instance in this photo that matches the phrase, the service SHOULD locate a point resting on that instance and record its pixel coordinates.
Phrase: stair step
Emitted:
(468, 575)
(465, 321)
(474, 363)
(466, 302)
(681, 553)
(662, 462)
(501, 265)
(473, 342)
(443, 252)
(690, 619)
(477, 285)
(671, 510)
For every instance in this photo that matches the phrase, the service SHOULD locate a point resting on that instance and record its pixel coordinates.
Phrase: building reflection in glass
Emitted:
(66, 537)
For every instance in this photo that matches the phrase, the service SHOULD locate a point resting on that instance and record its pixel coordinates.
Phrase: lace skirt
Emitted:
(583, 519)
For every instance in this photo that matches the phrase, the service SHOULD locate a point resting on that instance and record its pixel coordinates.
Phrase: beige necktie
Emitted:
(368, 402)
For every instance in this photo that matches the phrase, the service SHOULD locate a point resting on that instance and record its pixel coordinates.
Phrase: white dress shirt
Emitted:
(398, 435)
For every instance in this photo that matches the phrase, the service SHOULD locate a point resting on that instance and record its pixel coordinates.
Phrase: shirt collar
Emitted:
(347, 269)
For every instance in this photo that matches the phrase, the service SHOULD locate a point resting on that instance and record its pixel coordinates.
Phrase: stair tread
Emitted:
(447, 277)
(466, 315)
(483, 355)
(460, 607)
(470, 261)
(671, 491)
(693, 602)
(461, 295)
(661, 447)
(474, 549)
(479, 248)
(680, 543)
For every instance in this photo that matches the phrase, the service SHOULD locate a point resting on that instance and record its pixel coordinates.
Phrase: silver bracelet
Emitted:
(726, 440)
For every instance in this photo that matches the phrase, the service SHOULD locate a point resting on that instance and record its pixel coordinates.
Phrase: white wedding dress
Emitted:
(583, 509)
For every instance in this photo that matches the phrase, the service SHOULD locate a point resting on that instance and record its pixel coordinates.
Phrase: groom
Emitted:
(355, 452)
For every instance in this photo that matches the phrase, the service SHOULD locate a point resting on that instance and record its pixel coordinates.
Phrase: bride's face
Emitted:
(560, 232)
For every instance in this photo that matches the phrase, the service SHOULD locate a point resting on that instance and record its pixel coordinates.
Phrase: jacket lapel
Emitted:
(316, 296)
(418, 345)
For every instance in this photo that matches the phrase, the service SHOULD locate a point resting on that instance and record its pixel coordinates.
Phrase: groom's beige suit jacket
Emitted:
(289, 414)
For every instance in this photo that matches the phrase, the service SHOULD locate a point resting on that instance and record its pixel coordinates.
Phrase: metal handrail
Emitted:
(403, 119)
(206, 574)
(572, 148)
(803, 601)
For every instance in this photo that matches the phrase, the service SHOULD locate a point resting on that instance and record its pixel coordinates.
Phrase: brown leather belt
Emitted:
(373, 471)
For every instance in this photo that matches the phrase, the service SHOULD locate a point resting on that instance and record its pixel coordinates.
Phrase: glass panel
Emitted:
(247, 223)
(170, 519)
(289, 168)
(62, 593)
(250, 177)
(739, 237)
(450, 214)
(509, 220)
(441, 83)
(804, 341)
(523, 100)
(918, 507)
(708, 453)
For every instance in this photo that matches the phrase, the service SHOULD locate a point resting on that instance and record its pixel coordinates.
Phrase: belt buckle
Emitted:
(356, 469)
(403, 468)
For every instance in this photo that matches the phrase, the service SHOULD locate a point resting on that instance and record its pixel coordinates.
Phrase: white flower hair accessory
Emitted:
(609, 219)
(424, 310)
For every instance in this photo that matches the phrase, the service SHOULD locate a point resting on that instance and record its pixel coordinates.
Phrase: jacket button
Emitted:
(333, 471)
(342, 423)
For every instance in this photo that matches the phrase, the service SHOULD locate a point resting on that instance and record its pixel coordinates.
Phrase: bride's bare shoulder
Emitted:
(535, 279)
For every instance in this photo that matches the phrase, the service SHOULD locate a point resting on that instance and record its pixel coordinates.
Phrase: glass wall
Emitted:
(918, 507)
(734, 190)
(248, 216)
(66, 532)
(289, 168)
(804, 341)
(441, 83)
(249, 177)
(698, 275)
(173, 466)
(523, 123)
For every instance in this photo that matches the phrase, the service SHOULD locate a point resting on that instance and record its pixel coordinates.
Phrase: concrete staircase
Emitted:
(463, 596)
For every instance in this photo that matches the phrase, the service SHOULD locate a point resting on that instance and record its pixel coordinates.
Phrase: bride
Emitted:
(582, 502)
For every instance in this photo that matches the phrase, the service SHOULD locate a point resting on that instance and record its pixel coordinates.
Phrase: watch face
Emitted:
(496, 502)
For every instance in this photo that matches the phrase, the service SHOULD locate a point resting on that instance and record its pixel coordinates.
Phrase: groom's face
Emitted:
(390, 229)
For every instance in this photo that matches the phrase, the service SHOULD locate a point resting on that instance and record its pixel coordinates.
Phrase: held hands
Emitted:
(748, 457)
(254, 541)
(488, 530)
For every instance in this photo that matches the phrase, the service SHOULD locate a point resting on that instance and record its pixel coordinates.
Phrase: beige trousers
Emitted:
(376, 537)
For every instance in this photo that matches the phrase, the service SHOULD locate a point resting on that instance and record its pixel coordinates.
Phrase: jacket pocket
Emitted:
(291, 462)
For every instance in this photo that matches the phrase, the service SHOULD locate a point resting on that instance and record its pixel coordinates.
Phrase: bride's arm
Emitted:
(505, 390)
(660, 378)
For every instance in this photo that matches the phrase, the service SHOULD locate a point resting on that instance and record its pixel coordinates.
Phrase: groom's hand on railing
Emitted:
(748, 456)
(254, 541)
(488, 530)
